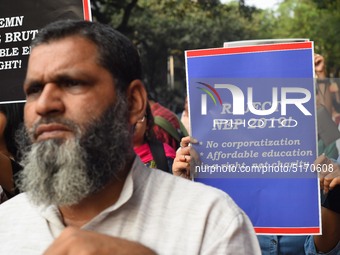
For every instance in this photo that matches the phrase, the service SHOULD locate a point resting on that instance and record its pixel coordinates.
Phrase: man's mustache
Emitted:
(63, 123)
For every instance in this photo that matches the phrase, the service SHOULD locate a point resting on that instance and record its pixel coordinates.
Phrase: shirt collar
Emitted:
(53, 216)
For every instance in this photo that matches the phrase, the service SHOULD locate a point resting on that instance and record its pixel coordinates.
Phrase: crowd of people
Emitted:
(75, 184)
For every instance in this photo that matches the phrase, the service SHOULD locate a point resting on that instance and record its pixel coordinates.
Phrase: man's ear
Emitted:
(137, 101)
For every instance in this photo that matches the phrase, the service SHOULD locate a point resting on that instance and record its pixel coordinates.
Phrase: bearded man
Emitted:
(84, 189)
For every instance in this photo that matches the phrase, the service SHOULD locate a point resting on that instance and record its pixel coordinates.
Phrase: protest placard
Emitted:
(252, 109)
(20, 21)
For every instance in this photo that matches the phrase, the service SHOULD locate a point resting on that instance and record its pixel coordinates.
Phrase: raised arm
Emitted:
(330, 184)
(186, 158)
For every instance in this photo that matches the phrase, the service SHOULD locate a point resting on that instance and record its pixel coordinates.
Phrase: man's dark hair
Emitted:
(117, 54)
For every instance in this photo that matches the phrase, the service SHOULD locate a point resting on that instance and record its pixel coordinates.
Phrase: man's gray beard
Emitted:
(62, 172)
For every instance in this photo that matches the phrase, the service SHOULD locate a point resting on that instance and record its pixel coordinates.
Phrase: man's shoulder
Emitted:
(17, 210)
(200, 213)
(17, 203)
(188, 193)
(23, 230)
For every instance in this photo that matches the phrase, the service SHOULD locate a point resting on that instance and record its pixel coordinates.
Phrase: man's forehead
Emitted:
(70, 41)
(65, 50)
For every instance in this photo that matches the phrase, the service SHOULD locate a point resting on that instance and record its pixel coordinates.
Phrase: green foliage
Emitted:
(163, 28)
(314, 19)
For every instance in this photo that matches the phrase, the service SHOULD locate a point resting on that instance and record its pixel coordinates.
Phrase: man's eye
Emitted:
(71, 83)
(34, 89)
(74, 86)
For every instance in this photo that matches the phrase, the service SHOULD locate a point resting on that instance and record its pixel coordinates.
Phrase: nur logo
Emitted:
(212, 93)
(281, 97)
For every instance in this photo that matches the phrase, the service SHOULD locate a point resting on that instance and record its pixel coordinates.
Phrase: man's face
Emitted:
(77, 137)
(64, 80)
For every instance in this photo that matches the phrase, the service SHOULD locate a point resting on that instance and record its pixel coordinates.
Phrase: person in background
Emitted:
(324, 96)
(329, 242)
(168, 128)
(153, 153)
(326, 144)
(11, 117)
(84, 191)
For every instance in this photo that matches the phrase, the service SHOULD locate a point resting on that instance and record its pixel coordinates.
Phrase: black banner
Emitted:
(20, 21)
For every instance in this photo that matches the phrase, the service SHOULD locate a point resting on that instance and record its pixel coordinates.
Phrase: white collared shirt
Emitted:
(169, 214)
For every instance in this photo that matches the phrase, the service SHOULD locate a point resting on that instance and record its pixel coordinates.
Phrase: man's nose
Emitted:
(50, 100)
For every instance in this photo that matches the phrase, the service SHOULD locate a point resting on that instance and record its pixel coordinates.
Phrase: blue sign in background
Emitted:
(283, 199)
